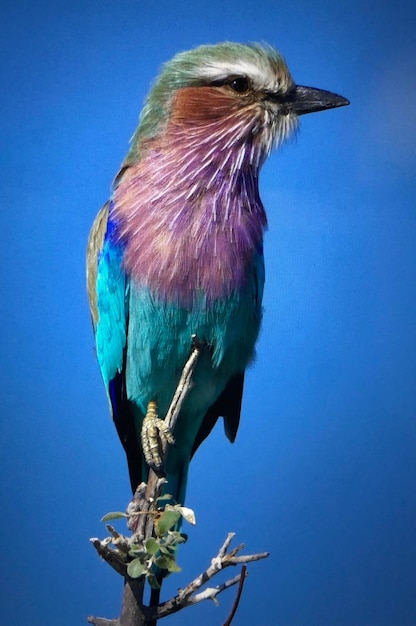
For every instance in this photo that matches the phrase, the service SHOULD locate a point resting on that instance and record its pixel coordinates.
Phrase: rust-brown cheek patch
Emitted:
(199, 105)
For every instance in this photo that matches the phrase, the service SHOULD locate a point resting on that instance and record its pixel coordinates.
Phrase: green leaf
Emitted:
(113, 515)
(166, 496)
(153, 581)
(136, 547)
(135, 568)
(178, 537)
(152, 546)
(174, 567)
(167, 521)
(138, 554)
(164, 561)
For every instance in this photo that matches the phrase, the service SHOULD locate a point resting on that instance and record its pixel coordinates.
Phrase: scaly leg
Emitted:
(155, 438)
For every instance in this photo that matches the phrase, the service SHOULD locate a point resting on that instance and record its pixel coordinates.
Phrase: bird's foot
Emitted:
(155, 438)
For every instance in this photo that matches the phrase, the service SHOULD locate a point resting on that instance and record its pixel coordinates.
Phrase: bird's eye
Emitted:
(239, 84)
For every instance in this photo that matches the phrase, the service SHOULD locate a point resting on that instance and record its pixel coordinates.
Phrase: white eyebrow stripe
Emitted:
(261, 76)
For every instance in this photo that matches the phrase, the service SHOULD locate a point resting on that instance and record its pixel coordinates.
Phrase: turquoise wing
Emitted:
(108, 294)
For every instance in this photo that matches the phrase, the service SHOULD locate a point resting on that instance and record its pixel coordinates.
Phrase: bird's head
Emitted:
(228, 94)
(188, 188)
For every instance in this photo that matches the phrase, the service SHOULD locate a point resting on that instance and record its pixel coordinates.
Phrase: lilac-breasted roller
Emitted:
(177, 251)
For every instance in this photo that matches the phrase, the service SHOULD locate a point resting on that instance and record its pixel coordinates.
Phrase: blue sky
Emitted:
(323, 472)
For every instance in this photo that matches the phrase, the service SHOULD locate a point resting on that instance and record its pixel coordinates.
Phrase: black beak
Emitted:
(301, 100)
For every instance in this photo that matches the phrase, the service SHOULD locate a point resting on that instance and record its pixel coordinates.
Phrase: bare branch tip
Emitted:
(234, 608)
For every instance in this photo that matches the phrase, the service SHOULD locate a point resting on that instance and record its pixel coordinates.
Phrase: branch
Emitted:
(188, 595)
(110, 556)
(184, 386)
(142, 512)
(238, 596)
(144, 526)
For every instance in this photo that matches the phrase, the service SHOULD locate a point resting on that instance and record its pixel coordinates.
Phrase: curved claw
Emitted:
(155, 437)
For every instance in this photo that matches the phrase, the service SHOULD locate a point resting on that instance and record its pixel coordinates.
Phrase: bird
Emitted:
(177, 251)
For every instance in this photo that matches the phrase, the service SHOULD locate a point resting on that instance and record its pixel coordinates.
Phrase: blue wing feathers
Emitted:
(112, 298)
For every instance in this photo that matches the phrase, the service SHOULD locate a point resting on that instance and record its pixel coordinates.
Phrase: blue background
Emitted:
(323, 473)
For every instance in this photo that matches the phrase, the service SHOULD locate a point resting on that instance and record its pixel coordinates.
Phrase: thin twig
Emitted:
(211, 593)
(144, 524)
(188, 595)
(236, 560)
(184, 386)
(101, 621)
(238, 596)
(155, 483)
(109, 556)
(223, 550)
